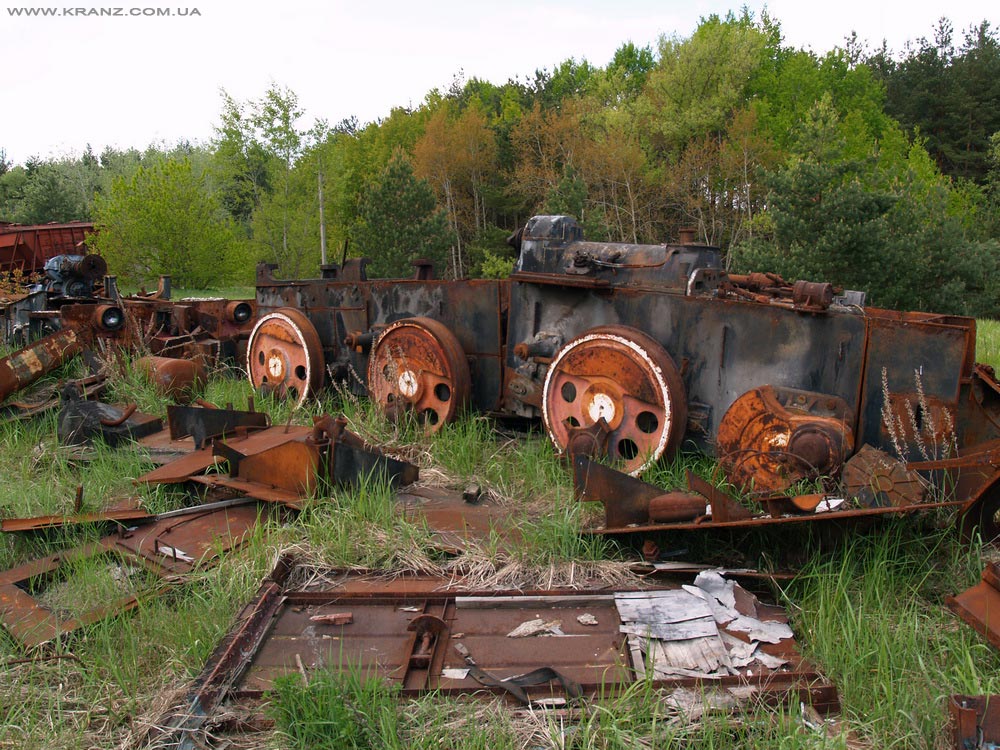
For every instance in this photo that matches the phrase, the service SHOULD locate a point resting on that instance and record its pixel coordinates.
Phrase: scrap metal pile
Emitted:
(629, 352)
(816, 407)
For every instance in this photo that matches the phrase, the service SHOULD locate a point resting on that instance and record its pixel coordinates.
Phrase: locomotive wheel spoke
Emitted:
(568, 404)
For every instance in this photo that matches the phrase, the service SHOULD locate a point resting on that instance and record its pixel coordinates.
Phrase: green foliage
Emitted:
(399, 222)
(840, 214)
(949, 97)
(163, 220)
(240, 163)
(700, 82)
(49, 195)
(489, 254)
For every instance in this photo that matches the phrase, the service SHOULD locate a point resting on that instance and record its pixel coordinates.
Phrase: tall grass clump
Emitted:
(346, 710)
(870, 612)
(361, 527)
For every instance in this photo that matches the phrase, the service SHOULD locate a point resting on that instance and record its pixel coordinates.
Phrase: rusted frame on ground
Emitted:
(234, 676)
(626, 500)
(167, 548)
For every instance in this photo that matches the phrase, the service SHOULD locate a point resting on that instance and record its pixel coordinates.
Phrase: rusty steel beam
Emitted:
(36, 523)
(628, 503)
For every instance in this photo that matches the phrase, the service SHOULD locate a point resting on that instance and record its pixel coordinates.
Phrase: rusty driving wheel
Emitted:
(418, 365)
(285, 356)
(615, 391)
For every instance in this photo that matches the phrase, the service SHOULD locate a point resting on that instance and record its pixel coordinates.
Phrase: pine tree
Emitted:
(399, 221)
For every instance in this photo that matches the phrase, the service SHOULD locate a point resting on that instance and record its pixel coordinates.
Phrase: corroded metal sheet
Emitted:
(877, 479)
(423, 635)
(455, 522)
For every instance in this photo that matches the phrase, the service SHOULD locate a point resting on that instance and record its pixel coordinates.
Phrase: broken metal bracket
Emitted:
(625, 499)
(975, 721)
(979, 606)
(203, 424)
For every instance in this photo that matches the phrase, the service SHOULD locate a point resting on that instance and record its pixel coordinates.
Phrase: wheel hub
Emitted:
(601, 402)
(409, 385)
(276, 365)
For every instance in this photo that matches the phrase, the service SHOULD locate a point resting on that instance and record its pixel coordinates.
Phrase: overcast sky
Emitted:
(70, 80)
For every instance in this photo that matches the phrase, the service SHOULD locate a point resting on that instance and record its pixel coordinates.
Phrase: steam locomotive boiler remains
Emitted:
(626, 351)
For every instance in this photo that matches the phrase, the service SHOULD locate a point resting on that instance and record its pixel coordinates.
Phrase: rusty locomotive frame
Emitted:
(627, 351)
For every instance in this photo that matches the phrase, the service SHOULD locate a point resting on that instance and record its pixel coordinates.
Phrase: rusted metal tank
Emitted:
(24, 367)
(179, 379)
(628, 351)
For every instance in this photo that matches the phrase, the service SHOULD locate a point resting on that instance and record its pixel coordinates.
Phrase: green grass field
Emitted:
(867, 606)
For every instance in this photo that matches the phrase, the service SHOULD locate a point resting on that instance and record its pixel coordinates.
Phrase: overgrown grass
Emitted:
(988, 342)
(870, 611)
(342, 709)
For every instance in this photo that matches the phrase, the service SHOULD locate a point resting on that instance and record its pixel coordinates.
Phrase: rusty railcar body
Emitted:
(629, 350)
(27, 248)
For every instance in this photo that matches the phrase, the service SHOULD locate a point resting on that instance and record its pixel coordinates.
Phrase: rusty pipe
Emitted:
(129, 411)
(24, 367)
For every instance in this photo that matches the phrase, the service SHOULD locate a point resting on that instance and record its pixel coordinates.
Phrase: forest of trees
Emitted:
(871, 169)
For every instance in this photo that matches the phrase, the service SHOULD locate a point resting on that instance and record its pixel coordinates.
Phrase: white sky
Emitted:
(128, 81)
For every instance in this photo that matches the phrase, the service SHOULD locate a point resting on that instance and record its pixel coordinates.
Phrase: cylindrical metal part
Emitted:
(239, 311)
(756, 282)
(814, 294)
(540, 346)
(177, 378)
(676, 506)
(360, 341)
(90, 267)
(23, 368)
(109, 317)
